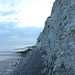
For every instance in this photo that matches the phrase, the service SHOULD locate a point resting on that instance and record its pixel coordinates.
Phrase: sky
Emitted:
(21, 21)
(25, 13)
(19, 36)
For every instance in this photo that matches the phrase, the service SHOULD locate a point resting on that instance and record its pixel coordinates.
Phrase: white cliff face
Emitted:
(57, 40)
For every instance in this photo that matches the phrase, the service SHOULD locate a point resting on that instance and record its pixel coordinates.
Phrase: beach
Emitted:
(9, 58)
(8, 64)
(33, 64)
(28, 62)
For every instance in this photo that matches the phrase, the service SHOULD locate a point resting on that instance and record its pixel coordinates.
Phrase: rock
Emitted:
(57, 40)
(9, 70)
(14, 64)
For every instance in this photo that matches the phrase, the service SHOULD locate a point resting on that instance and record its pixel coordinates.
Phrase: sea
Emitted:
(7, 50)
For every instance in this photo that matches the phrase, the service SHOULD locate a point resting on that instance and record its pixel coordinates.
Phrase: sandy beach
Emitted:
(8, 64)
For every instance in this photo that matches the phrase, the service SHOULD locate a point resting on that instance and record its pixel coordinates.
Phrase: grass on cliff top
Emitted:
(24, 53)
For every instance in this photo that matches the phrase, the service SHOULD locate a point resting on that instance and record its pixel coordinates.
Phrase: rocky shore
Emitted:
(32, 64)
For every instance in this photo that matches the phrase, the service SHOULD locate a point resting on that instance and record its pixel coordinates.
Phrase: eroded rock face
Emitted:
(57, 40)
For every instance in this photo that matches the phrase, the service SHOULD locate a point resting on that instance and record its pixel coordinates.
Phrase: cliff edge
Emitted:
(57, 40)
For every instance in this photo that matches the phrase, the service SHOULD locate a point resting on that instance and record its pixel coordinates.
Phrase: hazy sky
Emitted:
(18, 18)
(18, 36)
(24, 13)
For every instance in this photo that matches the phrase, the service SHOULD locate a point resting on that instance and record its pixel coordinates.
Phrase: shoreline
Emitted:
(33, 64)
(8, 65)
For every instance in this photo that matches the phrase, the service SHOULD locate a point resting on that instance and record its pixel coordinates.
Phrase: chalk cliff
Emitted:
(57, 40)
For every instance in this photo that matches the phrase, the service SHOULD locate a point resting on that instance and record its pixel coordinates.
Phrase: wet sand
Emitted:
(8, 64)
